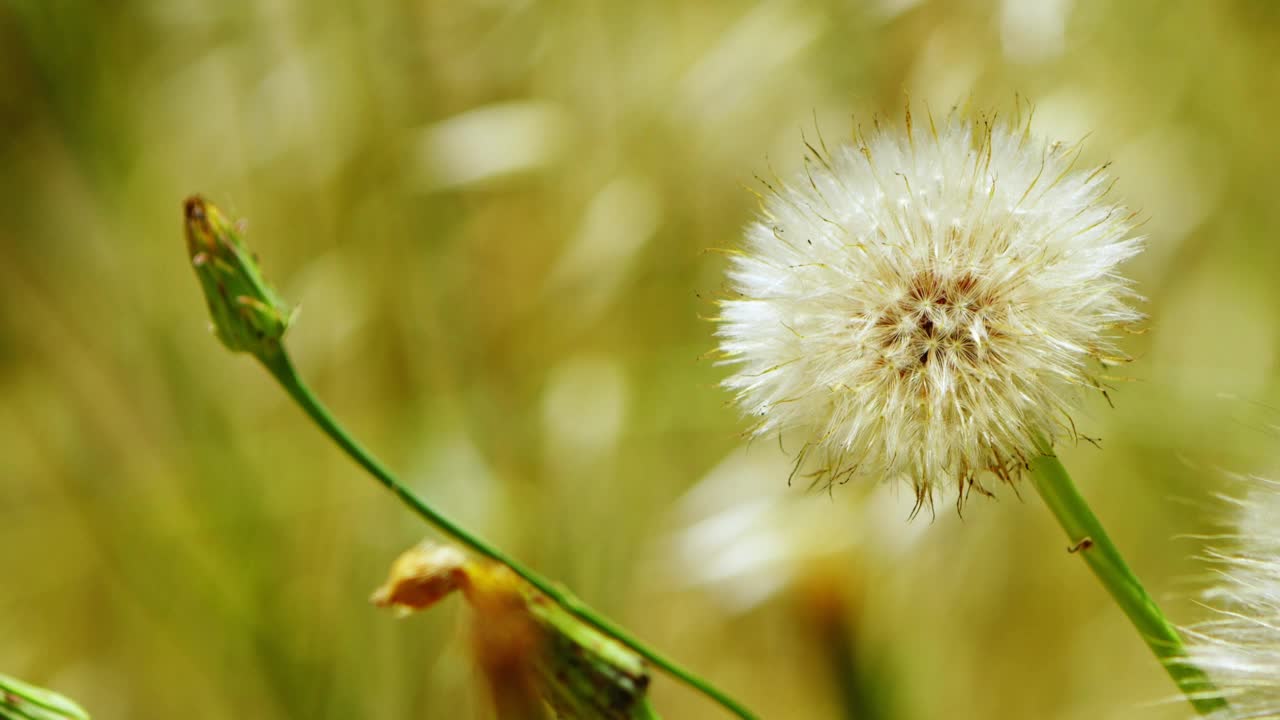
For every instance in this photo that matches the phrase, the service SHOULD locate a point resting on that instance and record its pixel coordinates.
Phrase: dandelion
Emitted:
(922, 305)
(1240, 646)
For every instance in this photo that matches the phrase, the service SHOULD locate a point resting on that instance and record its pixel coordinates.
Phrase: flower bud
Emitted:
(247, 314)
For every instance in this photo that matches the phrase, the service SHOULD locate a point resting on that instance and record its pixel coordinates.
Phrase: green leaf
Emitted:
(23, 701)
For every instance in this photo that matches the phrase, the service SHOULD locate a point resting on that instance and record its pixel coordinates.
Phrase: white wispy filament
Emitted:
(920, 304)
(1240, 647)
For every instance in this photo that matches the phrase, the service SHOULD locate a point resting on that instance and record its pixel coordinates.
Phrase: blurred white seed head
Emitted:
(921, 303)
(744, 539)
(1240, 646)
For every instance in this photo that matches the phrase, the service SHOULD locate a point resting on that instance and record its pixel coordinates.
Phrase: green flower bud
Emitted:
(247, 314)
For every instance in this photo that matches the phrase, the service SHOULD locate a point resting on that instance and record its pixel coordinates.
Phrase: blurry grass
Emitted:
(178, 542)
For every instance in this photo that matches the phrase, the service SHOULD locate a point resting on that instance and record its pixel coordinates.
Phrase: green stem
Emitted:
(646, 711)
(1089, 540)
(279, 365)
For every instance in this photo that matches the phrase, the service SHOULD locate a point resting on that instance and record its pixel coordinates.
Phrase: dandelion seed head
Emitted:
(1239, 647)
(922, 304)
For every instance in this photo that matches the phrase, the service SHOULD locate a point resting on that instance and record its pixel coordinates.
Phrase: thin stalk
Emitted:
(1089, 540)
(646, 711)
(279, 365)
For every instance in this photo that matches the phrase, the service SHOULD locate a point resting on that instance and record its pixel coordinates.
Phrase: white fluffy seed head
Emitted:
(1240, 646)
(920, 304)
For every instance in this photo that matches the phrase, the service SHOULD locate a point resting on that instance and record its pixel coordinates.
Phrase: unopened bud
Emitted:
(247, 314)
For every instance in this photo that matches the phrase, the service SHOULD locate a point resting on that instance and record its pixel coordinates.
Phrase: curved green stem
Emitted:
(1089, 540)
(282, 369)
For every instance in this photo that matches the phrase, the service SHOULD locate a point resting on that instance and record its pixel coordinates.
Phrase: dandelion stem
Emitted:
(280, 366)
(1089, 541)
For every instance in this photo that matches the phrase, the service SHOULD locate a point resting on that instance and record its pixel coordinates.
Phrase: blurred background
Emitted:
(494, 216)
